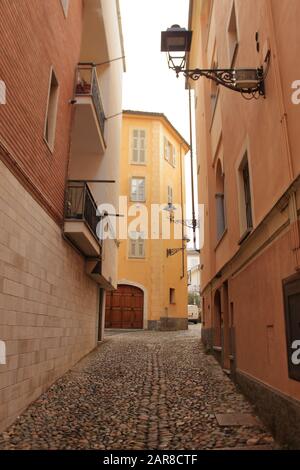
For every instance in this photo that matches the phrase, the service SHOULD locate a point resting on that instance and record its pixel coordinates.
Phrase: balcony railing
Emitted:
(87, 85)
(81, 206)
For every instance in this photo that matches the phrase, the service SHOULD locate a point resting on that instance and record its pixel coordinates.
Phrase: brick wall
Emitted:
(48, 306)
(35, 36)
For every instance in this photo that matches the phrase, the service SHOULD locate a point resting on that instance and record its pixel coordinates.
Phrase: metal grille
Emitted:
(80, 205)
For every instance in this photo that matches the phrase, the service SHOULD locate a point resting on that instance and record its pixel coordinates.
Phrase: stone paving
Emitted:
(139, 390)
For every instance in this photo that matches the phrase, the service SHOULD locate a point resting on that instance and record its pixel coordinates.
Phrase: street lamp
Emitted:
(173, 251)
(249, 81)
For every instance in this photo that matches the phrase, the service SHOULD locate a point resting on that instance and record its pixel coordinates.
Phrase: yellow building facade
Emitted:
(152, 283)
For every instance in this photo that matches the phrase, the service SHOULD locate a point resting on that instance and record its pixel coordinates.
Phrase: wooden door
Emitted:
(124, 308)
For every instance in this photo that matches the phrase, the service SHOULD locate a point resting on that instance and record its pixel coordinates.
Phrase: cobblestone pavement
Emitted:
(138, 390)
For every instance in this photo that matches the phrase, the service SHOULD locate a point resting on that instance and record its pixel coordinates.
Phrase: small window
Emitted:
(172, 296)
(291, 289)
(232, 36)
(138, 146)
(246, 218)
(51, 114)
(136, 245)
(173, 157)
(247, 193)
(169, 152)
(65, 5)
(137, 192)
(220, 202)
(170, 195)
(214, 91)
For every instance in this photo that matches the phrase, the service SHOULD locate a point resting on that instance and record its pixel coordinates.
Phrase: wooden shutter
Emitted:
(138, 146)
(165, 148)
(142, 146)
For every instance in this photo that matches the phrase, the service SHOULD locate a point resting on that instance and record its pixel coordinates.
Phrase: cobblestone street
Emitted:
(139, 390)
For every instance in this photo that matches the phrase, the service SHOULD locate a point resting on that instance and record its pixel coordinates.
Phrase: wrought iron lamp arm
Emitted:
(173, 251)
(224, 77)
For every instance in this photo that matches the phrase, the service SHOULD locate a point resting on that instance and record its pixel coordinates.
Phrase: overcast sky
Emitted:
(148, 83)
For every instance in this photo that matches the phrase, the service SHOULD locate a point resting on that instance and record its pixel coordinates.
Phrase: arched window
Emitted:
(220, 202)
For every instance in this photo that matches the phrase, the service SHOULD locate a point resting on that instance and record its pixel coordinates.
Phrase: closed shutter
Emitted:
(139, 146)
(174, 156)
(165, 148)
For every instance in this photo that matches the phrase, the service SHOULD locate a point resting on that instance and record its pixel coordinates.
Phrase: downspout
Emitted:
(182, 226)
(192, 168)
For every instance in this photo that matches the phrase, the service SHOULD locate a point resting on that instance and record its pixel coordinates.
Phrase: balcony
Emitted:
(81, 219)
(89, 119)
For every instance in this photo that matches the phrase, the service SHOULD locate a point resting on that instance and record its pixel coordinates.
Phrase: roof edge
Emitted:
(157, 115)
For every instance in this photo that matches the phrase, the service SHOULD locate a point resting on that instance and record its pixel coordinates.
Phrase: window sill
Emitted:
(138, 164)
(245, 235)
(221, 238)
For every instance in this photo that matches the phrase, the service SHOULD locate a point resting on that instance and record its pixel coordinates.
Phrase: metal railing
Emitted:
(87, 85)
(80, 205)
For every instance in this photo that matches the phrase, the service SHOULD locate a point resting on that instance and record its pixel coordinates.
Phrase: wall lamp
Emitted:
(173, 251)
(186, 222)
(248, 81)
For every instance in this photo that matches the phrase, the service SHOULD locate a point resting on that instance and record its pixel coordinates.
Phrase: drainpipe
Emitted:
(182, 215)
(192, 168)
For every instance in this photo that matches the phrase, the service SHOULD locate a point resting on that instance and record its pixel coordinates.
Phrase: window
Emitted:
(139, 146)
(137, 192)
(65, 5)
(172, 296)
(170, 195)
(246, 219)
(136, 245)
(247, 191)
(291, 290)
(220, 202)
(51, 114)
(214, 91)
(232, 37)
(169, 152)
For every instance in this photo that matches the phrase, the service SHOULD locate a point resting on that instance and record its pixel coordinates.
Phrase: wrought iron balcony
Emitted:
(81, 219)
(87, 85)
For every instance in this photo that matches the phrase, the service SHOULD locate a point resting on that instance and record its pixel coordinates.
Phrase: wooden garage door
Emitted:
(124, 308)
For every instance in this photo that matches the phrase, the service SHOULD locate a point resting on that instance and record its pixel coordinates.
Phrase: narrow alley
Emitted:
(141, 390)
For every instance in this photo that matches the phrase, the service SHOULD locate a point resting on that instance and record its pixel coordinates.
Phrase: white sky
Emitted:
(148, 83)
